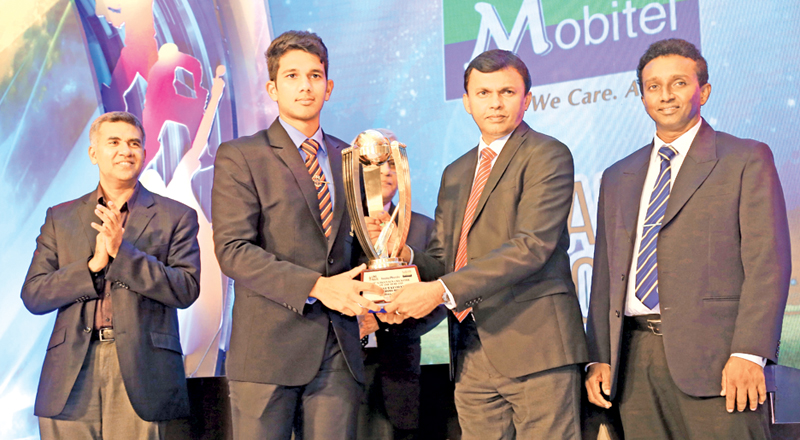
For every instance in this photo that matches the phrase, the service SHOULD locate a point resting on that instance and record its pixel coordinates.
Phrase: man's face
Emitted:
(300, 88)
(497, 101)
(388, 181)
(118, 152)
(672, 95)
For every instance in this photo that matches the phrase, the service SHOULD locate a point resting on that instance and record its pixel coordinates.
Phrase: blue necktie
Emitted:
(646, 265)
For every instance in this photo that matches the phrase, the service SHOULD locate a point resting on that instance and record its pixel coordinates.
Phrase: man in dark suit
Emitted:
(500, 247)
(116, 263)
(282, 232)
(691, 277)
(390, 409)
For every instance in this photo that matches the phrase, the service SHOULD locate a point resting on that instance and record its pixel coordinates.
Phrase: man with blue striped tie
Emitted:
(691, 268)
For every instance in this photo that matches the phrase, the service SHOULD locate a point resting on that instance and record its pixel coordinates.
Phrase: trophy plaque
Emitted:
(364, 157)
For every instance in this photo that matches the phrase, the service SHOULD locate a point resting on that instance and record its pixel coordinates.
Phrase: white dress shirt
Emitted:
(322, 155)
(634, 307)
(322, 158)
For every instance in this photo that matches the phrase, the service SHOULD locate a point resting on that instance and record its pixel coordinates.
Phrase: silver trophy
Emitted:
(369, 151)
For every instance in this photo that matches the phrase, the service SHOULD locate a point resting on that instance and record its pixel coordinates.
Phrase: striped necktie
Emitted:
(310, 146)
(646, 264)
(484, 168)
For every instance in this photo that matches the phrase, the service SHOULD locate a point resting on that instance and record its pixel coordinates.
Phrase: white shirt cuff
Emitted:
(752, 358)
(450, 303)
(411, 260)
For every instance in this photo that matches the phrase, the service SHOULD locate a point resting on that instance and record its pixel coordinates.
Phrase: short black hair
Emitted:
(494, 60)
(673, 46)
(126, 117)
(295, 40)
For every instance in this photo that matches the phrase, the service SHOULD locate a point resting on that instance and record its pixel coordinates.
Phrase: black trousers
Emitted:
(325, 408)
(652, 407)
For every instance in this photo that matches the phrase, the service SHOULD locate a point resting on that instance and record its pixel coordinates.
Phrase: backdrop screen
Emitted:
(195, 73)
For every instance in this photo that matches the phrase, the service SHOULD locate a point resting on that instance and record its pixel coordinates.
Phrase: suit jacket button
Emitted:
(617, 313)
(330, 260)
(87, 329)
(622, 277)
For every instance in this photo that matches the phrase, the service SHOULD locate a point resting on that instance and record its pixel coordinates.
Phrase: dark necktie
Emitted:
(646, 264)
(310, 146)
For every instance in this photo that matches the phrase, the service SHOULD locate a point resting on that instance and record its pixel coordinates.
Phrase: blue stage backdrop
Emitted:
(195, 73)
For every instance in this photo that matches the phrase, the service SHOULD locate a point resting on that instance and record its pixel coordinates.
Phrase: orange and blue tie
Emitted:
(646, 264)
(484, 169)
(310, 147)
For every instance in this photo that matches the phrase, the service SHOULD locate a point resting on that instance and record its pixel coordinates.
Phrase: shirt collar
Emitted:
(298, 138)
(682, 144)
(127, 206)
(496, 146)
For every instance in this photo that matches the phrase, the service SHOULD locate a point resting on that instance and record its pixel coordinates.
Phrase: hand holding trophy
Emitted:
(369, 151)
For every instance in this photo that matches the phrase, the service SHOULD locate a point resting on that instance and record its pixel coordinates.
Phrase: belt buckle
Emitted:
(102, 335)
(652, 324)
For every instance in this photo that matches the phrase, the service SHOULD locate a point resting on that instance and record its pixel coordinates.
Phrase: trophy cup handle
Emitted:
(352, 186)
(404, 196)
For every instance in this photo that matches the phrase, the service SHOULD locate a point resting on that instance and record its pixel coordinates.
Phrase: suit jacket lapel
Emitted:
(701, 159)
(335, 160)
(631, 187)
(500, 165)
(288, 153)
(87, 216)
(139, 216)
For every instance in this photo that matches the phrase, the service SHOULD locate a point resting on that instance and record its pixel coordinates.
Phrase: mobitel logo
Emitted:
(562, 40)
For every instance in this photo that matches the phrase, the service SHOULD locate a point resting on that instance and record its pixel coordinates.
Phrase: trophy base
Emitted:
(390, 279)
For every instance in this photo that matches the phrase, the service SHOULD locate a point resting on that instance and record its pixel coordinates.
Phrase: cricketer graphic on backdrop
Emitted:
(562, 41)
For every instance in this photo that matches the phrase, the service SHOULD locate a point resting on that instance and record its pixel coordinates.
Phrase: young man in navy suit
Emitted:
(282, 232)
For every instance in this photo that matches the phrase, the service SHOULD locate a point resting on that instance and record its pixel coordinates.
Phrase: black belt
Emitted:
(648, 323)
(105, 334)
